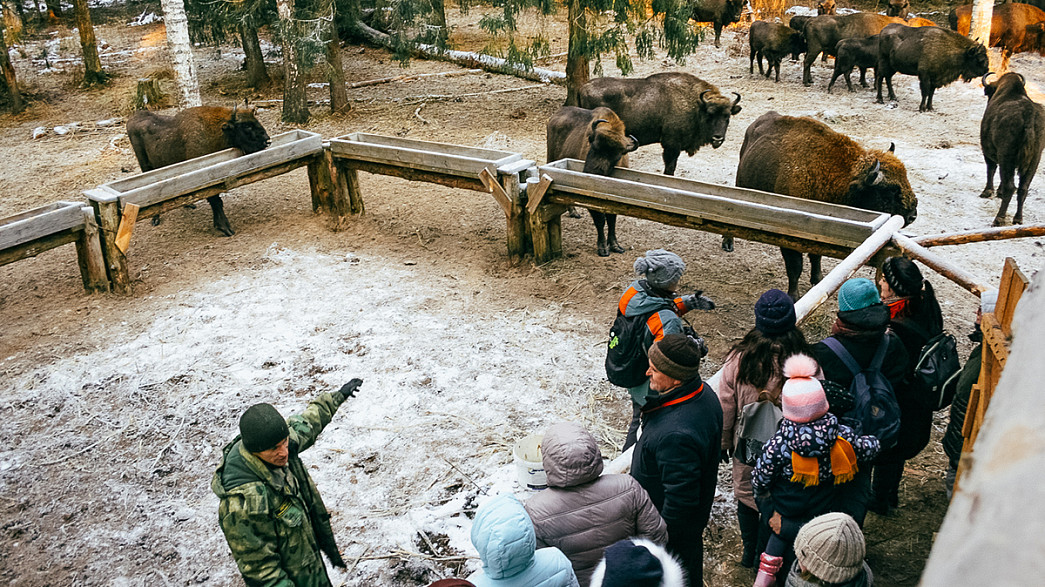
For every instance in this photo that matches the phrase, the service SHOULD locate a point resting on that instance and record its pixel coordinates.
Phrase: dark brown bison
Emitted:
(898, 8)
(596, 136)
(719, 13)
(772, 41)
(936, 55)
(826, 7)
(1012, 136)
(823, 33)
(799, 24)
(159, 141)
(804, 158)
(850, 53)
(1015, 28)
(680, 111)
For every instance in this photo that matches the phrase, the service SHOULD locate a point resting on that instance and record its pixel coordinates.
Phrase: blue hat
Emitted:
(774, 313)
(631, 565)
(857, 294)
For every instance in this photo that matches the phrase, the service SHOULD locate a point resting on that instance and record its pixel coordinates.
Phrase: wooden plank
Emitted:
(355, 196)
(939, 264)
(730, 192)
(108, 214)
(497, 191)
(428, 161)
(37, 224)
(488, 155)
(983, 235)
(126, 228)
(1013, 284)
(995, 337)
(796, 223)
(515, 217)
(536, 189)
(223, 173)
(35, 247)
(89, 254)
(100, 195)
(516, 167)
(470, 182)
(320, 185)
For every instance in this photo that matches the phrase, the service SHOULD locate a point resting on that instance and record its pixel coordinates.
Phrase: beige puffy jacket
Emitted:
(582, 513)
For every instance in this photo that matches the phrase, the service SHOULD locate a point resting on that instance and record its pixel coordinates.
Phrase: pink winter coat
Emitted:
(582, 513)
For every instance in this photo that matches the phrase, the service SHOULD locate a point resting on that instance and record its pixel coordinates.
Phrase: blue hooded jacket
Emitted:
(504, 536)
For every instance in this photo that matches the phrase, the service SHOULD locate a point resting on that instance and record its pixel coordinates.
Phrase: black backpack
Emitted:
(937, 366)
(876, 409)
(626, 362)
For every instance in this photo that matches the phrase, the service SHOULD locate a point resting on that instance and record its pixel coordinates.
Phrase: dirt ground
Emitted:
(117, 407)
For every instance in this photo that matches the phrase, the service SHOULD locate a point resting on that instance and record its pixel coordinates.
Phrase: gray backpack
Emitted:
(757, 424)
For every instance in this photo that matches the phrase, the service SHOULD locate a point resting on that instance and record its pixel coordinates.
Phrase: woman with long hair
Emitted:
(754, 372)
(915, 317)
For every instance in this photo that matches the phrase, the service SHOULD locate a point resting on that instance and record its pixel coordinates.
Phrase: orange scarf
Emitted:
(843, 465)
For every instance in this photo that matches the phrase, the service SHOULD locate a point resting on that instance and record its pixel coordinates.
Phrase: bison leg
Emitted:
(863, 79)
(776, 64)
(611, 234)
(671, 159)
(718, 34)
(988, 191)
(1021, 195)
(1006, 187)
(221, 222)
(793, 265)
(834, 76)
(727, 243)
(574, 212)
(600, 227)
(815, 274)
(807, 78)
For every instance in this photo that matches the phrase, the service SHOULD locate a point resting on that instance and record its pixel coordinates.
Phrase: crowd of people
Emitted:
(816, 434)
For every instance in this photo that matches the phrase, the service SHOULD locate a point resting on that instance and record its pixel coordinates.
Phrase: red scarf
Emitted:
(677, 400)
(898, 307)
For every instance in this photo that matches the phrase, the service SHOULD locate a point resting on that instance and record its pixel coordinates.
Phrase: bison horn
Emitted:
(892, 147)
(1022, 79)
(983, 80)
(596, 123)
(737, 101)
(701, 97)
(874, 177)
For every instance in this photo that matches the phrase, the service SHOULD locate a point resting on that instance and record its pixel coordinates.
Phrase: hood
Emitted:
(872, 318)
(673, 575)
(234, 470)
(571, 455)
(504, 536)
(647, 300)
(811, 439)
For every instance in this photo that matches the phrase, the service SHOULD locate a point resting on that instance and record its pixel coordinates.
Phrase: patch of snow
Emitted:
(146, 17)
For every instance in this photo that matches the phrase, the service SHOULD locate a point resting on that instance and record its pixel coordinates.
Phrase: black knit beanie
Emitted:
(631, 565)
(261, 428)
(903, 276)
(677, 356)
(774, 313)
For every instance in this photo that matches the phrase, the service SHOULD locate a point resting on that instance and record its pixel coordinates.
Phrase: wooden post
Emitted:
(339, 205)
(89, 255)
(940, 265)
(319, 183)
(107, 210)
(127, 219)
(539, 228)
(977, 236)
(355, 196)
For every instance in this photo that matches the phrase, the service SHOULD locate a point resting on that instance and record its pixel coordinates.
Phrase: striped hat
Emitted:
(803, 398)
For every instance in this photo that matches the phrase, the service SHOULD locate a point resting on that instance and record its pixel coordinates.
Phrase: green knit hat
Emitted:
(261, 428)
(857, 294)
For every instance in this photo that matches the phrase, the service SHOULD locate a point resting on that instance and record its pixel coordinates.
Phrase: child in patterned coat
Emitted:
(807, 467)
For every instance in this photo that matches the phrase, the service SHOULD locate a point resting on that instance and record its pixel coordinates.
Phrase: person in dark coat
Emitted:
(862, 322)
(914, 316)
(676, 456)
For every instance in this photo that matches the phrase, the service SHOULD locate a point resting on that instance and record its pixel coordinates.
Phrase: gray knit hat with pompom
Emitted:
(661, 268)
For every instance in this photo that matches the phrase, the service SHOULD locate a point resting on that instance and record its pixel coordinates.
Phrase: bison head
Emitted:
(826, 7)
(898, 8)
(880, 183)
(607, 143)
(975, 62)
(1010, 84)
(1034, 39)
(715, 110)
(732, 11)
(798, 45)
(244, 132)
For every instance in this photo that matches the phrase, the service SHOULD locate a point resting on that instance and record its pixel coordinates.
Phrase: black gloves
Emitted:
(698, 301)
(349, 389)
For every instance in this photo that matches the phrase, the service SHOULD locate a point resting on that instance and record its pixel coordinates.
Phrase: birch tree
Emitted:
(92, 64)
(980, 27)
(180, 48)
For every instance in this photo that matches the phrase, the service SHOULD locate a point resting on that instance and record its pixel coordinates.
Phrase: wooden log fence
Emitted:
(30, 233)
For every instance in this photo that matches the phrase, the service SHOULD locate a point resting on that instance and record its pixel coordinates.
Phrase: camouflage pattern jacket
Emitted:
(273, 518)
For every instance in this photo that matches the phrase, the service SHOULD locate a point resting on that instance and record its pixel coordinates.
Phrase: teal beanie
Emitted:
(857, 294)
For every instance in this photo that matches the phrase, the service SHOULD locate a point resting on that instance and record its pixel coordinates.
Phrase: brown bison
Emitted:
(850, 53)
(680, 111)
(804, 158)
(1012, 136)
(898, 8)
(799, 24)
(823, 33)
(159, 141)
(719, 13)
(1015, 28)
(919, 21)
(936, 55)
(772, 41)
(826, 7)
(596, 136)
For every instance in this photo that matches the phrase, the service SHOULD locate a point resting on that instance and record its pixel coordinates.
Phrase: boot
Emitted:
(767, 570)
(748, 520)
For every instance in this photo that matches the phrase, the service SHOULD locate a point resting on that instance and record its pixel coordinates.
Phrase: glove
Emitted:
(698, 301)
(725, 455)
(703, 346)
(349, 389)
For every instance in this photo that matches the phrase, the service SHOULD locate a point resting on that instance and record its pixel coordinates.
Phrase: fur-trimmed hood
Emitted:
(673, 575)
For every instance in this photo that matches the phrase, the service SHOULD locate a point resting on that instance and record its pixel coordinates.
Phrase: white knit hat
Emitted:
(831, 547)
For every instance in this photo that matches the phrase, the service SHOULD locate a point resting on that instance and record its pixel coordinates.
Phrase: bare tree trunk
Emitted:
(439, 20)
(13, 20)
(92, 64)
(577, 70)
(980, 27)
(295, 102)
(17, 104)
(336, 75)
(254, 60)
(180, 47)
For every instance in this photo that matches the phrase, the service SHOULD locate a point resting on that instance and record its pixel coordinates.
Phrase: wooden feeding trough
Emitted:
(157, 191)
(30, 233)
(815, 227)
(471, 168)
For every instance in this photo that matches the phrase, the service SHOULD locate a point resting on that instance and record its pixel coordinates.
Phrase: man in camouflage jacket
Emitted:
(271, 513)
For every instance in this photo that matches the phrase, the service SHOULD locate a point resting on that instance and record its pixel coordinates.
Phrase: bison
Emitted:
(823, 33)
(850, 53)
(596, 136)
(680, 111)
(919, 21)
(1015, 28)
(1012, 136)
(159, 141)
(799, 24)
(826, 7)
(898, 8)
(804, 158)
(772, 41)
(936, 55)
(719, 13)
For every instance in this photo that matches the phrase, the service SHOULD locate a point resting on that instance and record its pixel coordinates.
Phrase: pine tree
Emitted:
(92, 64)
